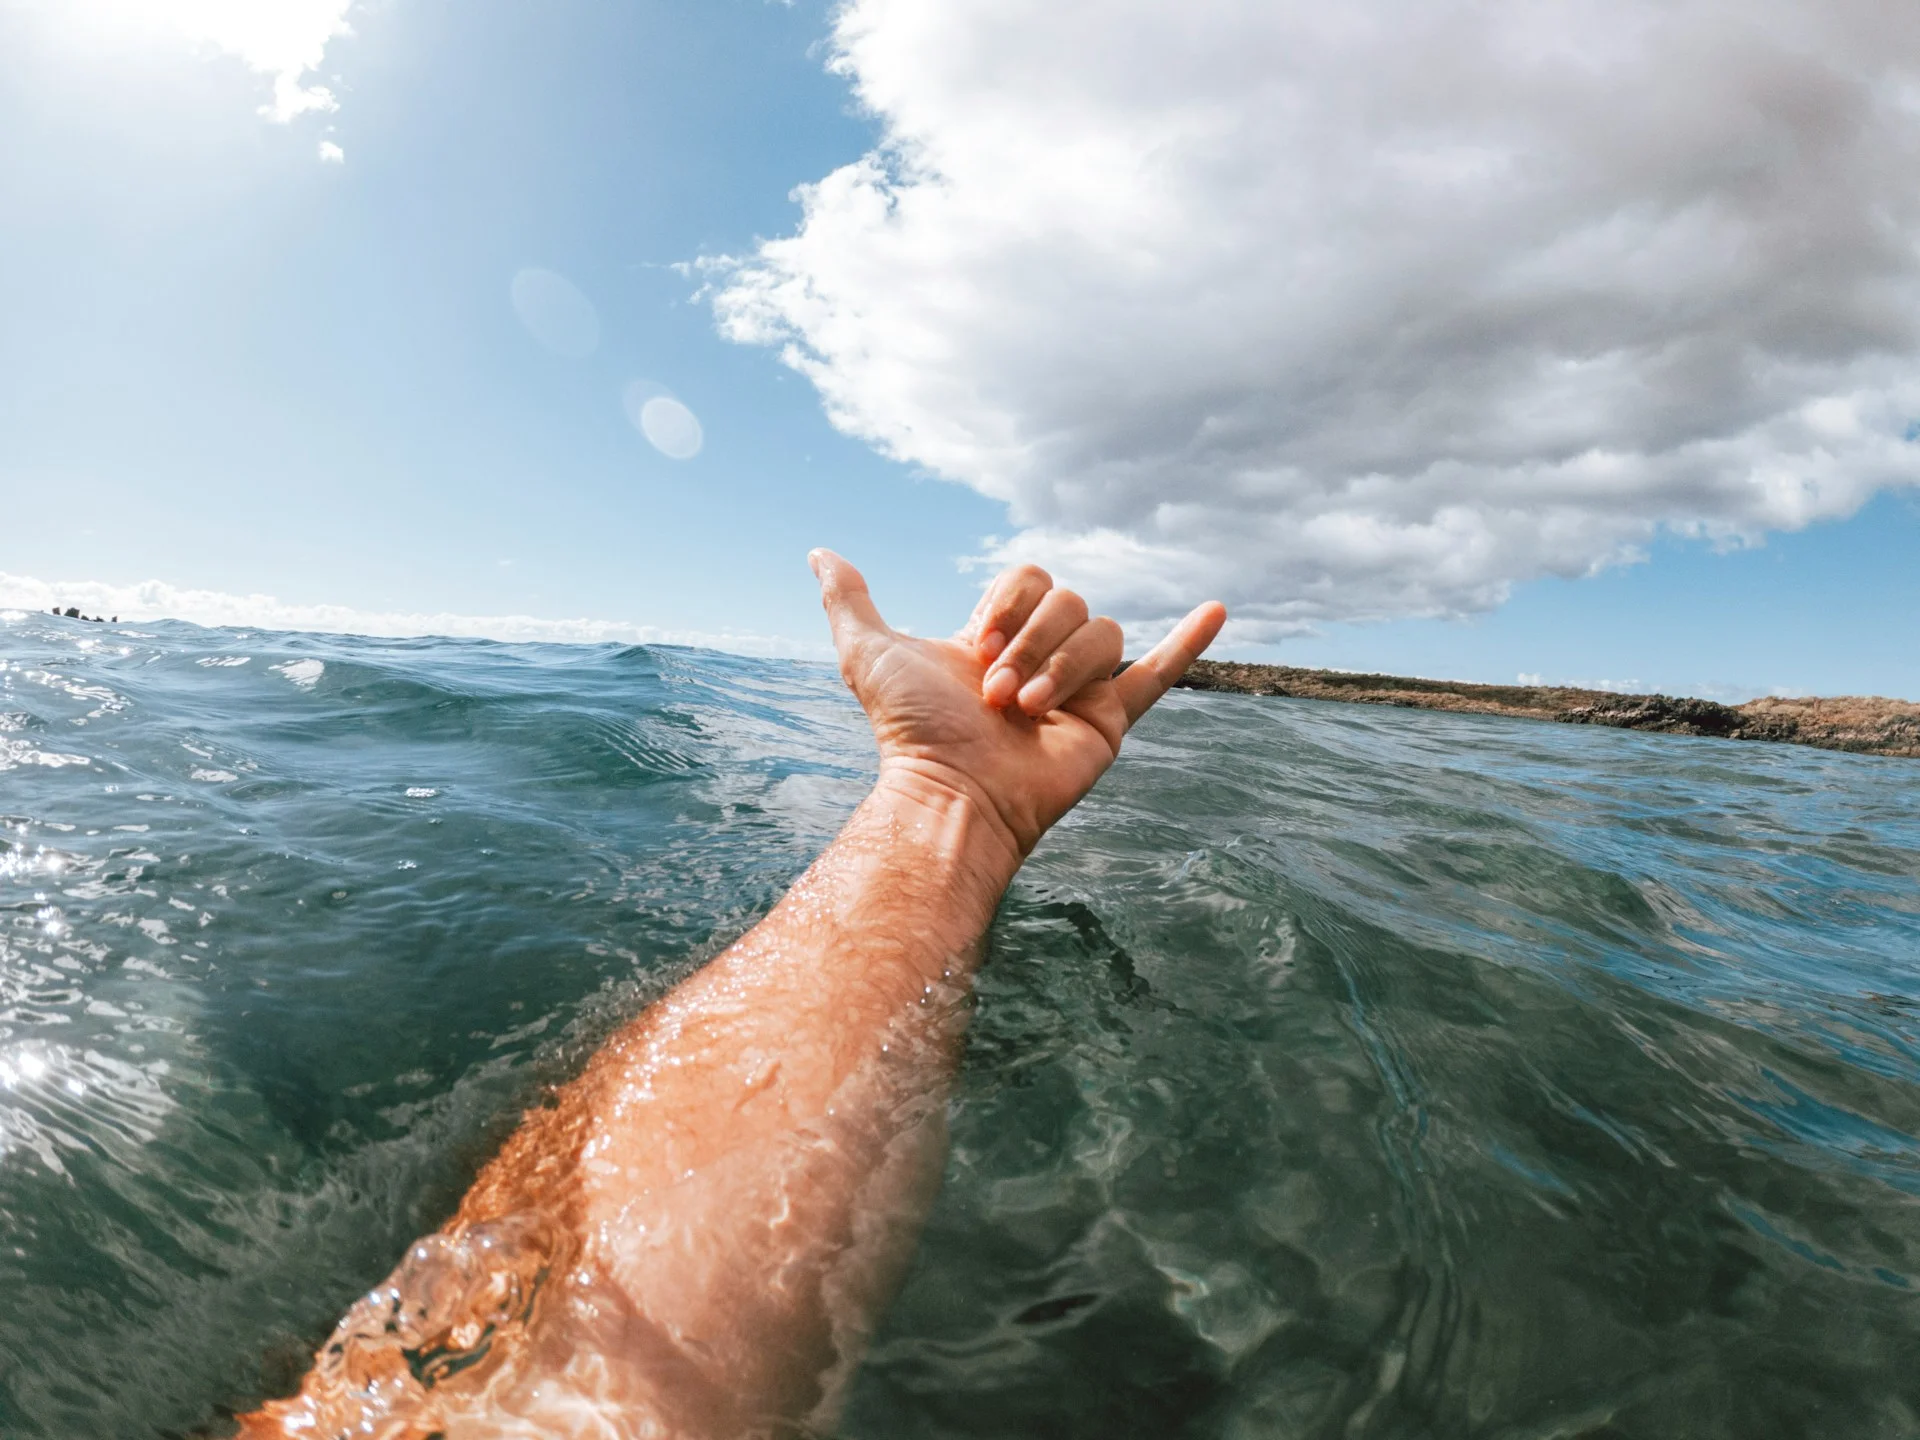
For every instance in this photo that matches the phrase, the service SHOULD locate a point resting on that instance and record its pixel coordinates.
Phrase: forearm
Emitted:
(767, 1137)
(719, 1204)
(851, 977)
(889, 914)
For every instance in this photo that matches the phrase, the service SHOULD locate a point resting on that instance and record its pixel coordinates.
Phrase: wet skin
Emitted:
(696, 1237)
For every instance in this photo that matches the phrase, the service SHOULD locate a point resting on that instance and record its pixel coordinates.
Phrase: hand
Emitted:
(1020, 712)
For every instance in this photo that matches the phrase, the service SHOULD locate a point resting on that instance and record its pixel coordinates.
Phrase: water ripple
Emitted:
(1336, 1072)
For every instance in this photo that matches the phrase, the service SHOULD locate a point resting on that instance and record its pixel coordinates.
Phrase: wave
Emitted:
(157, 600)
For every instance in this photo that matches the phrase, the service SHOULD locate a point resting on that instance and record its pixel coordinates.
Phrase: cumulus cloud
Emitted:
(157, 600)
(1348, 312)
(283, 40)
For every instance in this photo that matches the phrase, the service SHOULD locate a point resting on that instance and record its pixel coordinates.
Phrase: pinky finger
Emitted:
(1153, 674)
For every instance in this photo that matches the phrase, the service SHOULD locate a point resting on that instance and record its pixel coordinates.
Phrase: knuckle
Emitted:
(1031, 576)
(1023, 654)
(1071, 604)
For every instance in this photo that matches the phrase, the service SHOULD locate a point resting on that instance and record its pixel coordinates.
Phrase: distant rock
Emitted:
(1661, 712)
(1868, 724)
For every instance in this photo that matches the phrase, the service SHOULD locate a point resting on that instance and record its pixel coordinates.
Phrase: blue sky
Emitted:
(233, 366)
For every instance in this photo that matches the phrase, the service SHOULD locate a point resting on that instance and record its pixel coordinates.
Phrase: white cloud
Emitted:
(331, 153)
(157, 600)
(1344, 312)
(283, 40)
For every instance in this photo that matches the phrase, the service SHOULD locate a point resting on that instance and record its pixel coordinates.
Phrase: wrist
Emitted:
(941, 815)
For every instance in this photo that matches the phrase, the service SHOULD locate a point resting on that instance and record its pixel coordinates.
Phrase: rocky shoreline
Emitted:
(1864, 724)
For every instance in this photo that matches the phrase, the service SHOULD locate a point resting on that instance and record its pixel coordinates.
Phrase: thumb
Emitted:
(850, 609)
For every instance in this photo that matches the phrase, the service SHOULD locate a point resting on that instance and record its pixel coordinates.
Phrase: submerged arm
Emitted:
(695, 1239)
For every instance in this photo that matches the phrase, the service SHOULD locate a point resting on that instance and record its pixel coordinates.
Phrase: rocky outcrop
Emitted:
(1673, 716)
(1868, 724)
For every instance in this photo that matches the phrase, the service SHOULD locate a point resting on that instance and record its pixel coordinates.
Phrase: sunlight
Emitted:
(670, 427)
(284, 39)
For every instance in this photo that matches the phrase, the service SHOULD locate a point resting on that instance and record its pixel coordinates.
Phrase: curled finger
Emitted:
(1058, 615)
(1006, 607)
(1088, 654)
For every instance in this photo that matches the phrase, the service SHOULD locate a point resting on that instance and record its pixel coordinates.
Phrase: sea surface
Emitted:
(1336, 1072)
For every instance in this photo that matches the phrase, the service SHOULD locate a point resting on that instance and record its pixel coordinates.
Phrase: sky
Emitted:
(1482, 340)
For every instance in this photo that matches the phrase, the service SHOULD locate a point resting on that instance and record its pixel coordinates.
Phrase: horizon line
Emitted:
(154, 600)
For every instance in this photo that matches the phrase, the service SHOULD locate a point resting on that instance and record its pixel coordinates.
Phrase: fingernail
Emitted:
(1002, 685)
(1036, 696)
(813, 562)
(992, 643)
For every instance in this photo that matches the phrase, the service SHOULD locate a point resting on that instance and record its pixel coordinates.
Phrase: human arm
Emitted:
(697, 1234)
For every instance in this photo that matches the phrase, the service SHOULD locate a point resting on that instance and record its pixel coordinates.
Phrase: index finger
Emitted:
(1153, 674)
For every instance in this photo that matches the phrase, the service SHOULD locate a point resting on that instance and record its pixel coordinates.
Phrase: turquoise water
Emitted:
(1337, 1071)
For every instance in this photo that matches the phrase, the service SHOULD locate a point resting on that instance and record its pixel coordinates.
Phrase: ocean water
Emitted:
(1336, 1071)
